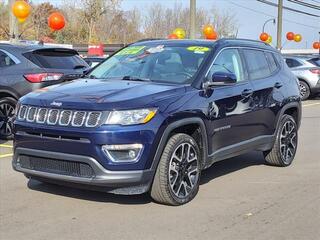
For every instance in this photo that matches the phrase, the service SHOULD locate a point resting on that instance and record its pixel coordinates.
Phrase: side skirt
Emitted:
(261, 143)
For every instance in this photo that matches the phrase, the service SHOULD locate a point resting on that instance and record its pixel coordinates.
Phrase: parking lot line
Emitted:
(6, 146)
(6, 155)
(311, 104)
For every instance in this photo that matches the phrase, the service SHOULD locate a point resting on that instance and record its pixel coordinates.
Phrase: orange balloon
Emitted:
(173, 36)
(290, 36)
(297, 38)
(212, 36)
(56, 21)
(21, 9)
(208, 30)
(316, 45)
(264, 37)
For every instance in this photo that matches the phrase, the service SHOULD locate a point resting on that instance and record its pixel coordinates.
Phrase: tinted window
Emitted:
(229, 60)
(315, 61)
(158, 63)
(272, 62)
(5, 60)
(258, 66)
(292, 63)
(57, 59)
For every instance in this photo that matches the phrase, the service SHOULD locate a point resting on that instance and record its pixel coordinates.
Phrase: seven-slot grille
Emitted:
(59, 117)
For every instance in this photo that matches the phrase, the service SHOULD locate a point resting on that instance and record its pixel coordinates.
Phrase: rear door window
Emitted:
(57, 59)
(258, 66)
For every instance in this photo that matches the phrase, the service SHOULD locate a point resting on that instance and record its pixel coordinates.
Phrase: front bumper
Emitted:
(120, 182)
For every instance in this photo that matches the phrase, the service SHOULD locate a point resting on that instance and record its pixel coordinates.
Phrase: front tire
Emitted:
(7, 111)
(176, 181)
(285, 146)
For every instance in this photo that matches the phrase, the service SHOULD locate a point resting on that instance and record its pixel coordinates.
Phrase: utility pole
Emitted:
(193, 10)
(13, 24)
(279, 29)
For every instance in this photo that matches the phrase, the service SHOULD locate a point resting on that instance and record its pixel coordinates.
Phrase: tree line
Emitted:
(104, 21)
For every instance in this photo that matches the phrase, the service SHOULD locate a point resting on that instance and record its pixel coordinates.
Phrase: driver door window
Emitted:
(229, 61)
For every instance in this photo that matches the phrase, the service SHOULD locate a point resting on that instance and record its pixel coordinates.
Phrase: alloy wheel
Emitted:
(183, 170)
(288, 141)
(303, 90)
(6, 119)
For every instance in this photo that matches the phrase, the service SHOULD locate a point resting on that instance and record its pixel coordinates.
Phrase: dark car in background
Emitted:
(307, 70)
(25, 68)
(155, 114)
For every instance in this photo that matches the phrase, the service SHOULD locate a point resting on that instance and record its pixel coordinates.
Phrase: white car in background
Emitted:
(307, 70)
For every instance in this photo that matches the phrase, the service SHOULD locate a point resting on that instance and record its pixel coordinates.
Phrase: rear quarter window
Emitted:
(56, 59)
(258, 66)
(274, 66)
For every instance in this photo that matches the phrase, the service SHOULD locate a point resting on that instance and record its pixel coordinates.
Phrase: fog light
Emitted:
(123, 153)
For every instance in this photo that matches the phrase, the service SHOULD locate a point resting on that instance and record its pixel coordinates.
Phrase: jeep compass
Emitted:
(156, 113)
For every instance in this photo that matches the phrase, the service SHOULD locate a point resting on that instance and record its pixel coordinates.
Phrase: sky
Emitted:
(251, 16)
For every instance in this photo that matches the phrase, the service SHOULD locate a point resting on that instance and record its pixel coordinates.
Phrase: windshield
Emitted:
(168, 64)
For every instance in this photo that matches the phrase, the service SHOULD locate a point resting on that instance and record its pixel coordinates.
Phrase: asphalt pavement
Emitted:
(239, 198)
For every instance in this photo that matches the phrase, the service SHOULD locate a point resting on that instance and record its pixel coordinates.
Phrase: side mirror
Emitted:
(221, 79)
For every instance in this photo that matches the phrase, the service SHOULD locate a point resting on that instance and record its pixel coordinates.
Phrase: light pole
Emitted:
(279, 28)
(13, 25)
(269, 20)
(193, 10)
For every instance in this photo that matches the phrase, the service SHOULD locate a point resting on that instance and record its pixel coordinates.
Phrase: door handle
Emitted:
(278, 85)
(247, 93)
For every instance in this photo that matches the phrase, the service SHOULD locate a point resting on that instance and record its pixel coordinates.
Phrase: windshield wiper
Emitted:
(132, 78)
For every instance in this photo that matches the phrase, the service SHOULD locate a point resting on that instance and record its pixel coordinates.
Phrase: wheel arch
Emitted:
(7, 93)
(293, 109)
(193, 125)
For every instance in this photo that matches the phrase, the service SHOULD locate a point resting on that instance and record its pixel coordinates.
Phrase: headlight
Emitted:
(131, 117)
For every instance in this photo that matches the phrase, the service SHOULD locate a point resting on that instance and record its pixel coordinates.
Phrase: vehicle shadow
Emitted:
(216, 170)
(230, 165)
(88, 195)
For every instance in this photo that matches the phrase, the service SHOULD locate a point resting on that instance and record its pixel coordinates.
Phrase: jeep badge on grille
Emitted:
(56, 104)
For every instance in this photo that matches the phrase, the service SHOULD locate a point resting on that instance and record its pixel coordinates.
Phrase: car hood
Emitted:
(98, 94)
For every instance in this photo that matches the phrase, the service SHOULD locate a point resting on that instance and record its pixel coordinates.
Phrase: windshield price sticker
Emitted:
(130, 50)
(198, 49)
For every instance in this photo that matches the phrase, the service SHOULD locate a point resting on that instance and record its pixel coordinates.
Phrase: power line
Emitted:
(305, 4)
(287, 8)
(269, 15)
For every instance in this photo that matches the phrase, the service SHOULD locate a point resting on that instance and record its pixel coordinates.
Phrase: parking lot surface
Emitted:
(239, 198)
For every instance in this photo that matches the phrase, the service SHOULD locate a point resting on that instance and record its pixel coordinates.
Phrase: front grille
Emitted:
(61, 167)
(59, 117)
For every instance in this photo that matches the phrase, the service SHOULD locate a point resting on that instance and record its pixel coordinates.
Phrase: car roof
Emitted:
(223, 42)
(22, 48)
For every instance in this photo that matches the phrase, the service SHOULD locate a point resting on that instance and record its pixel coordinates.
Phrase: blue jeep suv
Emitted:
(155, 114)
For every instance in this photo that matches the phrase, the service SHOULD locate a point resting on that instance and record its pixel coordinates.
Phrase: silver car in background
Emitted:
(307, 70)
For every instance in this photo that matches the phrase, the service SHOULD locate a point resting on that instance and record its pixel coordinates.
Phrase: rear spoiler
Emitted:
(52, 51)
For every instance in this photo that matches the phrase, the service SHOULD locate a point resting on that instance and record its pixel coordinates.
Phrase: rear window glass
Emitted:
(292, 63)
(57, 60)
(258, 66)
(315, 61)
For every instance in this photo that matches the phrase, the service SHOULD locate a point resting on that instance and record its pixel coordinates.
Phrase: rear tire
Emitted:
(285, 146)
(7, 111)
(176, 181)
(304, 90)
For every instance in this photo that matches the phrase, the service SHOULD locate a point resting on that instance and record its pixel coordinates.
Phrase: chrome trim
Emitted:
(45, 115)
(88, 118)
(74, 116)
(49, 114)
(25, 113)
(107, 148)
(34, 115)
(61, 115)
